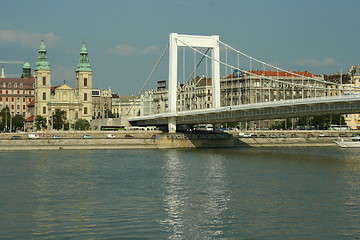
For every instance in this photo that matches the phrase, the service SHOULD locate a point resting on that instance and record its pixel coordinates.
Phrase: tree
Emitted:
(82, 124)
(59, 119)
(5, 119)
(18, 122)
(40, 122)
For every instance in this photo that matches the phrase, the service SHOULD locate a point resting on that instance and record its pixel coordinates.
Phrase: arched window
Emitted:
(9, 85)
(21, 85)
(15, 85)
(4, 84)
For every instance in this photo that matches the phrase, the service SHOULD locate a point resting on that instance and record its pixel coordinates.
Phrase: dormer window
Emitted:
(4, 84)
(15, 85)
(21, 85)
(9, 85)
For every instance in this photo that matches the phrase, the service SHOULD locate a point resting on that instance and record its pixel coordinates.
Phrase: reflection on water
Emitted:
(267, 193)
(194, 208)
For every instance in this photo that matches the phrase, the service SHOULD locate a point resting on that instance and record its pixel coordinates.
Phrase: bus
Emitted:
(339, 127)
(112, 128)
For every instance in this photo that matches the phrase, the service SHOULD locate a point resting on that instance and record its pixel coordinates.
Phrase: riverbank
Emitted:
(157, 139)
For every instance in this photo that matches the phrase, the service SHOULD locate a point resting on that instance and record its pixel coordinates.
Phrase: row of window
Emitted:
(85, 110)
(85, 96)
(15, 92)
(13, 99)
(15, 85)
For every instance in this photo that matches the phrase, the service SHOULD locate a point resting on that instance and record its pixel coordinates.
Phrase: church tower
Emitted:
(26, 70)
(84, 84)
(42, 75)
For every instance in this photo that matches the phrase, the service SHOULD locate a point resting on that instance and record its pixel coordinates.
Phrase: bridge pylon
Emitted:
(180, 40)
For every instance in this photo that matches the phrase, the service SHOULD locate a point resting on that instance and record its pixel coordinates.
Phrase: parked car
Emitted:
(33, 136)
(110, 136)
(15, 137)
(87, 136)
(282, 135)
(294, 135)
(128, 136)
(56, 137)
(311, 135)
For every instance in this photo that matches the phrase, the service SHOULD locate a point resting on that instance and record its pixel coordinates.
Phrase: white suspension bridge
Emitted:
(251, 89)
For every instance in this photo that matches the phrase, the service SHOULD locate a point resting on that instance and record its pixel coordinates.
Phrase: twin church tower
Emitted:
(76, 102)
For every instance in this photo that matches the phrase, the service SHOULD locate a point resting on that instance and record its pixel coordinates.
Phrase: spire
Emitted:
(42, 62)
(2, 72)
(84, 64)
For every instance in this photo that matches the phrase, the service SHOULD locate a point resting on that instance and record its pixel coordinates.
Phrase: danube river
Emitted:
(246, 193)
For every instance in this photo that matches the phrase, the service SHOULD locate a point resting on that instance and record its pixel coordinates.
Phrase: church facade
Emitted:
(76, 102)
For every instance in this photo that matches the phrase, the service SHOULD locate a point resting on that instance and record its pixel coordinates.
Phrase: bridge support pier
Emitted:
(172, 124)
(216, 126)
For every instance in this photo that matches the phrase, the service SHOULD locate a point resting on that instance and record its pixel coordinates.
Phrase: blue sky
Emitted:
(125, 38)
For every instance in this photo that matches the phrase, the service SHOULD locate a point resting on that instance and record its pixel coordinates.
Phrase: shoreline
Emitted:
(150, 140)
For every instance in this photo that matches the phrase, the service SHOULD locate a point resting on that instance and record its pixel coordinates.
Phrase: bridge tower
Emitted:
(179, 40)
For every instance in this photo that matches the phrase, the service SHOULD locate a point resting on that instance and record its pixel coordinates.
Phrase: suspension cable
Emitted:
(148, 78)
(275, 80)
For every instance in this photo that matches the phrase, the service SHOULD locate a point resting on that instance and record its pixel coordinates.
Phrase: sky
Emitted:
(125, 38)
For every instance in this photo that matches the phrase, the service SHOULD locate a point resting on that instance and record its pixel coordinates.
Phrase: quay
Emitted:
(157, 139)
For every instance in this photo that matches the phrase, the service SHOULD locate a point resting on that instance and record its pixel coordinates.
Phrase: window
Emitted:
(0, 98)
(85, 96)
(24, 107)
(44, 96)
(85, 82)
(24, 99)
(12, 106)
(21, 85)
(44, 81)
(7, 99)
(85, 110)
(44, 110)
(4, 84)
(15, 85)
(18, 92)
(9, 85)
(7, 91)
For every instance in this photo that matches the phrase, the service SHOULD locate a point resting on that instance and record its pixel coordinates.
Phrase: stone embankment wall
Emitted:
(294, 138)
(75, 140)
(157, 139)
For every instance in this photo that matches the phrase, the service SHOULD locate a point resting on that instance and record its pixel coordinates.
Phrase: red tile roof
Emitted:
(30, 119)
(272, 73)
(32, 103)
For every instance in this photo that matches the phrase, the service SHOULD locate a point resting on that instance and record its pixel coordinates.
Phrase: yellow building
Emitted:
(76, 102)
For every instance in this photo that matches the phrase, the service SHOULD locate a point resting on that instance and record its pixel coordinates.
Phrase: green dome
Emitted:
(42, 62)
(27, 65)
(84, 63)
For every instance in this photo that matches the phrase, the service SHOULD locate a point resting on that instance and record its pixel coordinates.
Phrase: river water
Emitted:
(248, 193)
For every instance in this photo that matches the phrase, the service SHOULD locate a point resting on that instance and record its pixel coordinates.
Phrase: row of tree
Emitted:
(58, 121)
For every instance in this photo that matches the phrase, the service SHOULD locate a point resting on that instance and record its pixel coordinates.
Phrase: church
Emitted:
(76, 102)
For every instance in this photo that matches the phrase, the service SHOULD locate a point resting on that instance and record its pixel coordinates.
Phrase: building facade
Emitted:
(76, 102)
(17, 93)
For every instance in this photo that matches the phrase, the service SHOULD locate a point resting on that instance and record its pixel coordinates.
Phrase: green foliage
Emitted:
(40, 122)
(59, 119)
(82, 124)
(5, 119)
(18, 122)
